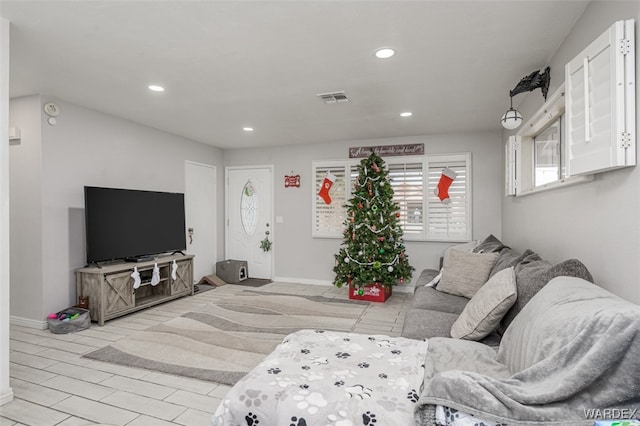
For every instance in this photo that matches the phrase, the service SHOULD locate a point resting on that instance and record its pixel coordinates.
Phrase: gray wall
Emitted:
(596, 222)
(85, 148)
(298, 256)
(6, 394)
(25, 189)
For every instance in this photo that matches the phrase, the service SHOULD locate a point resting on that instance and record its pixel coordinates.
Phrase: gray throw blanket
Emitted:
(573, 349)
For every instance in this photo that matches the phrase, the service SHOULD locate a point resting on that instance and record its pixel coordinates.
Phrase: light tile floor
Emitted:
(54, 385)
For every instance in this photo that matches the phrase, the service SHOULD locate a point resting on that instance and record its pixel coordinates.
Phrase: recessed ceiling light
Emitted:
(385, 52)
(248, 129)
(156, 88)
(406, 114)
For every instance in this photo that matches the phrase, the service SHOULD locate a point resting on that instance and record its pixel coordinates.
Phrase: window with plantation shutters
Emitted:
(407, 181)
(537, 155)
(449, 221)
(353, 166)
(423, 216)
(328, 219)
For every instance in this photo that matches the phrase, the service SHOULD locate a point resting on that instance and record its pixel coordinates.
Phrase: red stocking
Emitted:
(327, 183)
(442, 190)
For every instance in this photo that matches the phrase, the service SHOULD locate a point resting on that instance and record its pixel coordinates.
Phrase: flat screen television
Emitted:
(131, 224)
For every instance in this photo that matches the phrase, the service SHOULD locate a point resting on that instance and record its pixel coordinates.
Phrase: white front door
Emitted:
(249, 217)
(201, 218)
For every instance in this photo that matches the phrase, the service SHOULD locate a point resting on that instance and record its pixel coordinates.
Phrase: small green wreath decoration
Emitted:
(265, 244)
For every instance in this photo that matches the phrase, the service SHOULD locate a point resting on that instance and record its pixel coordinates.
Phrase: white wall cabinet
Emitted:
(600, 103)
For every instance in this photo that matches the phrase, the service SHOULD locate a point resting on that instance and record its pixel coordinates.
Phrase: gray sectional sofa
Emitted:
(433, 311)
(572, 348)
(555, 346)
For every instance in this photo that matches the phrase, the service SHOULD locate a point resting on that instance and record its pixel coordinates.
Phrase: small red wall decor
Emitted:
(292, 181)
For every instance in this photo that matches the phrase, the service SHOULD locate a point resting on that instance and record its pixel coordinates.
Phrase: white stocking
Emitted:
(174, 270)
(155, 277)
(136, 277)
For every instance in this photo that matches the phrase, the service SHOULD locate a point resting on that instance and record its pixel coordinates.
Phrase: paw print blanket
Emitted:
(325, 378)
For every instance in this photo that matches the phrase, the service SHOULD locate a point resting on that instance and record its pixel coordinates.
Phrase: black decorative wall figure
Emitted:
(533, 81)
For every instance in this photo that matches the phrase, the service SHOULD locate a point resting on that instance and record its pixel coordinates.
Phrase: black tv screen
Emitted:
(127, 224)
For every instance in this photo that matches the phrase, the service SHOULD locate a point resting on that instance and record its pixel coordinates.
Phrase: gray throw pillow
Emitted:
(487, 307)
(468, 247)
(508, 258)
(460, 247)
(533, 273)
(464, 273)
(489, 245)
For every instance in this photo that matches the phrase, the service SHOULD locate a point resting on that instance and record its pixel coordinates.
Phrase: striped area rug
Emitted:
(225, 339)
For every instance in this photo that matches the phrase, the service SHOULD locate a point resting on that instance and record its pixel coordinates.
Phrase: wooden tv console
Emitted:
(110, 286)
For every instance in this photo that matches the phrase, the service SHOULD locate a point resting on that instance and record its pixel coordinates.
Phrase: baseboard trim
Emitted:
(404, 288)
(29, 323)
(302, 281)
(6, 397)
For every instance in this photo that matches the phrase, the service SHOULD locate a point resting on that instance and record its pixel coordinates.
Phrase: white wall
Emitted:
(25, 189)
(596, 222)
(299, 256)
(89, 148)
(6, 394)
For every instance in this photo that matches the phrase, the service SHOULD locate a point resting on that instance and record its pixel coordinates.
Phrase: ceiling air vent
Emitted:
(334, 97)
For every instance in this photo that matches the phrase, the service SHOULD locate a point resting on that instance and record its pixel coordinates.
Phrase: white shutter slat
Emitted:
(510, 153)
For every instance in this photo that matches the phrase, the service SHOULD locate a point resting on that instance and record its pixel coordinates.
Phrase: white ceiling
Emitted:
(229, 64)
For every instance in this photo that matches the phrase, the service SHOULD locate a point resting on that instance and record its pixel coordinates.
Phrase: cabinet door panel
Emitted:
(118, 292)
(184, 278)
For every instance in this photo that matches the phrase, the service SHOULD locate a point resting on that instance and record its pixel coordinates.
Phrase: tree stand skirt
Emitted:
(372, 293)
